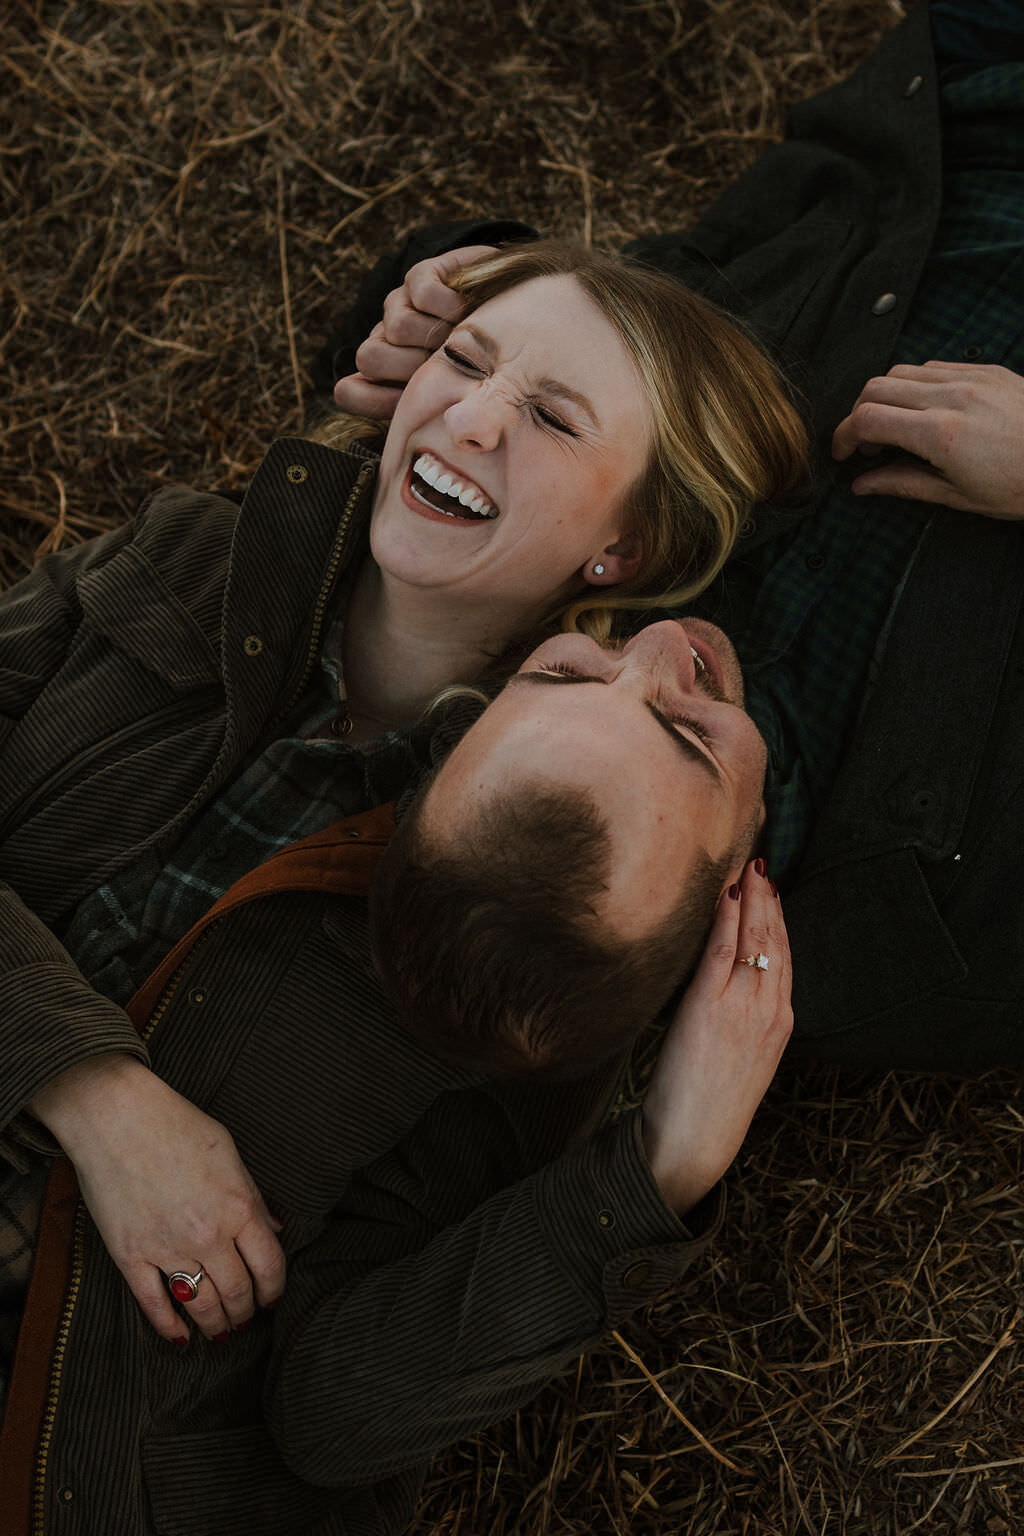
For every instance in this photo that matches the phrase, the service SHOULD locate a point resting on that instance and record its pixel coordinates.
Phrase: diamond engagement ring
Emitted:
(759, 962)
(183, 1286)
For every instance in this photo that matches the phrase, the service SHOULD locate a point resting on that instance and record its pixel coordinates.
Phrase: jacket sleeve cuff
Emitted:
(52, 1020)
(607, 1221)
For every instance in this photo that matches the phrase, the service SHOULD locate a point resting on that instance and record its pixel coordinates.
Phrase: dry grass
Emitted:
(188, 193)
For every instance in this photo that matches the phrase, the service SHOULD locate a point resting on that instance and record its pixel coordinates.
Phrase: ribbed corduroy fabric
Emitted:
(165, 652)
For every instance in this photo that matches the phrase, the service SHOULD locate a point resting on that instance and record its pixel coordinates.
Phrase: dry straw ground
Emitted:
(188, 192)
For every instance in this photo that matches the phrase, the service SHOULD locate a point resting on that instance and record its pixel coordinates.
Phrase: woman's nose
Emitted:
(477, 419)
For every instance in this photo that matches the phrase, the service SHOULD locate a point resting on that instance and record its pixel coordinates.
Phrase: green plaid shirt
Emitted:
(287, 789)
(807, 611)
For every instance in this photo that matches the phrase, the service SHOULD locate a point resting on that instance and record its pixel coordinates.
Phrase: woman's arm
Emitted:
(450, 1287)
(162, 1180)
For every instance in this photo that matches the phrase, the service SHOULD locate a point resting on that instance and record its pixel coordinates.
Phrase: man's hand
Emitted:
(723, 1046)
(966, 421)
(167, 1191)
(418, 318)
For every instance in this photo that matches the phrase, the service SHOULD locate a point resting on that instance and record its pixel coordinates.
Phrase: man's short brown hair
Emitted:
(493, 951)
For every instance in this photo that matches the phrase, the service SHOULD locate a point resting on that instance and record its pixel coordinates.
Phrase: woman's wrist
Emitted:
(73, 1103)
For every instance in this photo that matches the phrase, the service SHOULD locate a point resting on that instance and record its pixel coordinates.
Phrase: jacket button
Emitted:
(815, 562)
(297, 473)
(637, 1276)
(885, 303)
(197, 997)
(606, 1219)
(252, 645)
(66, 1495)
(913, 86)
(973, 353)
(747, 527)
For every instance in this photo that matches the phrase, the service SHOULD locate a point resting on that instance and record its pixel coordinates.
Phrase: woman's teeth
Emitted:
(447, 486)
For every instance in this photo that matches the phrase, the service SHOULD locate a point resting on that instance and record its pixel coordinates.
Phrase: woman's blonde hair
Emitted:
(726, 435)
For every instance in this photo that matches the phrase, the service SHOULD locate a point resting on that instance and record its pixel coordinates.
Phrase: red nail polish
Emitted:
(241, 1327)
(761, 866)
(218, 1338)
(733, 893)
(775, 889)
(181, 1341)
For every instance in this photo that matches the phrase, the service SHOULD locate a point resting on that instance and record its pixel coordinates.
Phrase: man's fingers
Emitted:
(363, 397)
(915, 430)
(378, 359)
(915, 482)
(427, 282)
(405, 326)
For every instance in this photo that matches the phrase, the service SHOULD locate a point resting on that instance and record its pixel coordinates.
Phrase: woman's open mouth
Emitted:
(442, 490)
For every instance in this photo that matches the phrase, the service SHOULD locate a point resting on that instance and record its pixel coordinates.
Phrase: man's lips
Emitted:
(712, 679)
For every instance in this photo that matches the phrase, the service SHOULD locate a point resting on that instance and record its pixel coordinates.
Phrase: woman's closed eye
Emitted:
(549, 419)
(542, 413)
(459, 359)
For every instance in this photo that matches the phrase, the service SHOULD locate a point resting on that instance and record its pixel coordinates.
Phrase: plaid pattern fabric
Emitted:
(286, 790)
(805, 612)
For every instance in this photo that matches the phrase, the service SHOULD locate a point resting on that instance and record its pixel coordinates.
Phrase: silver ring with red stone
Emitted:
(183, 1286)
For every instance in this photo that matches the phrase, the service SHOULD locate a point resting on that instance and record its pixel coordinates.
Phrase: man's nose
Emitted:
(663, 650)
(477, 420)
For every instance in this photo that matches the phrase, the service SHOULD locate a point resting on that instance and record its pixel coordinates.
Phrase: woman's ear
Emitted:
(618, 562)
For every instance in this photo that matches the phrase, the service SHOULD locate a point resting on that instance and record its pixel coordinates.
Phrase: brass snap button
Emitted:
(637, 1276)
(297, 473)
(252, 645)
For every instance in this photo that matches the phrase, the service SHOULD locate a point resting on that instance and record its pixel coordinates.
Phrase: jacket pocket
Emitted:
(129, 603)
(232, 1482)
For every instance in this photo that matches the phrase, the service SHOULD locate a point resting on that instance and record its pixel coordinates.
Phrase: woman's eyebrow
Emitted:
(555, 387)
(685, 744)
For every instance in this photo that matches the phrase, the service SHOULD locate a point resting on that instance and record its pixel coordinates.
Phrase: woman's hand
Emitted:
(963, 421)
(723, 1045)
(418, 318)
(167, 1191)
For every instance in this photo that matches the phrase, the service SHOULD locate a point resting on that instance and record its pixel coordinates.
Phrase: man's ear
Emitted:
(617, 562)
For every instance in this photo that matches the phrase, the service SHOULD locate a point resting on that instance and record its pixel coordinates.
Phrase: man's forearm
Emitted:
(420, 1318)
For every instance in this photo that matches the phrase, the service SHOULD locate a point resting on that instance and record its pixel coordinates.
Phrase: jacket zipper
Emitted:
(75, 1280)
(366, 474)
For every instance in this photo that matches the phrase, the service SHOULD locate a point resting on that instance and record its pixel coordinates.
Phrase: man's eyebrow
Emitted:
(553, 387)
(685, 744)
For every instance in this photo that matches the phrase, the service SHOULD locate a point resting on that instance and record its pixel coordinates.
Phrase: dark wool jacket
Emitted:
(907, 916)
(433, 1292)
